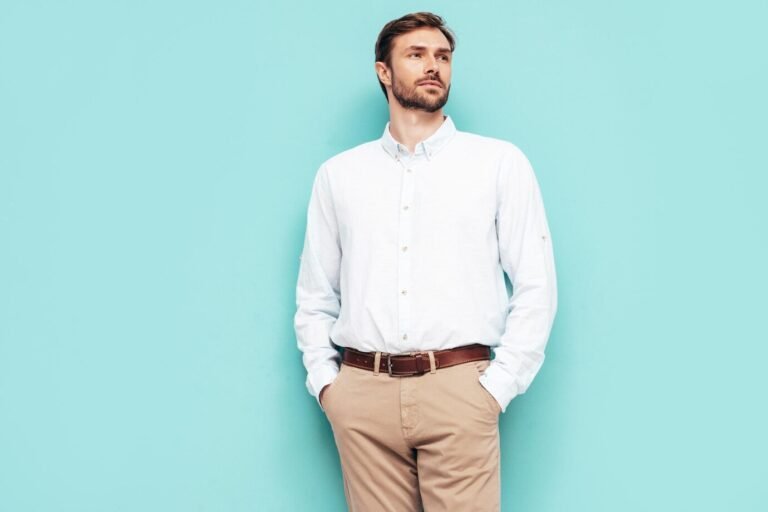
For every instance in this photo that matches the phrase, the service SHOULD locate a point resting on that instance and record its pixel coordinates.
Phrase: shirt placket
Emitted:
(404, 250)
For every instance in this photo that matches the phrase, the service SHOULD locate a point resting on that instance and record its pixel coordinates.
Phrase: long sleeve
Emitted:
(525, 253)
(318, 298)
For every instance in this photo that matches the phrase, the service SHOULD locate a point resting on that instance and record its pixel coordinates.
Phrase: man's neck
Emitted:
(409, 127)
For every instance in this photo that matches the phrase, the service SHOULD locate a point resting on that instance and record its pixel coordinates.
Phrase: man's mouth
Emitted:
(431, 83)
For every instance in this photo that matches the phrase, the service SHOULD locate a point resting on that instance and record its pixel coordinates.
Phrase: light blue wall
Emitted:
(156, 160)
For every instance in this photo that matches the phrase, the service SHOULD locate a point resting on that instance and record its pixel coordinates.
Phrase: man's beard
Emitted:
(410, 98)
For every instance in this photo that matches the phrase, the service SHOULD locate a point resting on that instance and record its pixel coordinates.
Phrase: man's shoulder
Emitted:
(464, 140)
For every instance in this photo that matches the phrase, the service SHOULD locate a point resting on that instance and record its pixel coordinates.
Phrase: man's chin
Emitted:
(422, 103)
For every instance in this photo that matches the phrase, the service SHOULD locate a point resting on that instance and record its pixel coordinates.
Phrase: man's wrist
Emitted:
(319, 377)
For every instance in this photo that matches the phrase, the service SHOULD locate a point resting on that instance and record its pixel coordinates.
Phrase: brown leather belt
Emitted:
(415, 363)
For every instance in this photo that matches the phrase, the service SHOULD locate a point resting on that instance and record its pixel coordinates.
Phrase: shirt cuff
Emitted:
(318, 378)
(499, 384)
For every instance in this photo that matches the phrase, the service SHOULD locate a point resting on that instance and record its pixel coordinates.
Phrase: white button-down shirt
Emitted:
(406, 252)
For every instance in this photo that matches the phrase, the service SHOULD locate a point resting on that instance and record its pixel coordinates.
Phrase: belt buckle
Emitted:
(389, 365)
(389, 369)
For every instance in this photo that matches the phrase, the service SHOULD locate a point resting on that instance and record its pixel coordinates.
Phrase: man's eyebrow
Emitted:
(417, 47)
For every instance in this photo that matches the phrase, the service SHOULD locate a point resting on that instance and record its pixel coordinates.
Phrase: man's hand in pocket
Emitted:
(321, 392)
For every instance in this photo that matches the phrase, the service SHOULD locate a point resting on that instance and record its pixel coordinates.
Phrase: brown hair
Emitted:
(403, 25)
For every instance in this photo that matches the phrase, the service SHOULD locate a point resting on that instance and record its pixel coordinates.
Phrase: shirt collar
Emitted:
(429, 147)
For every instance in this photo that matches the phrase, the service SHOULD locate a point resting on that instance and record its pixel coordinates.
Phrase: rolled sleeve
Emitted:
(526, 255)
(318, 298)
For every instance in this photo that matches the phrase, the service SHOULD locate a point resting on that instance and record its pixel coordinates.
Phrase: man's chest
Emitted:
(442, 200)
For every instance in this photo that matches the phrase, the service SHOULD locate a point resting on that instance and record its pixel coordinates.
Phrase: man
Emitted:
(407, 241)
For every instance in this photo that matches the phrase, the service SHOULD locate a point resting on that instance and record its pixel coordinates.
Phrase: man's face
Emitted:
(419, 56)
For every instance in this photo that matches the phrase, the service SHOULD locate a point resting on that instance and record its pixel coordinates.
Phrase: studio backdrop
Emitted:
(156, 159)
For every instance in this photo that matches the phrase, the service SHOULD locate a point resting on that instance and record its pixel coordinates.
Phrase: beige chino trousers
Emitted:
(419, 443)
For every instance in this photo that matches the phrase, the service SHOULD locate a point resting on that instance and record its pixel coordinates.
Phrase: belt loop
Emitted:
(432, 367)
(376, 363)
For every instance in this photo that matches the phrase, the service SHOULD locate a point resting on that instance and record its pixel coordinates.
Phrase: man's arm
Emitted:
(525, 253)
(318, 298)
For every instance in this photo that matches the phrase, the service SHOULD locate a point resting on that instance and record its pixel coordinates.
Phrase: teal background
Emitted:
(156, 160)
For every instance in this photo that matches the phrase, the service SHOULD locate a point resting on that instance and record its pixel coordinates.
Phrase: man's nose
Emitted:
(431, 65)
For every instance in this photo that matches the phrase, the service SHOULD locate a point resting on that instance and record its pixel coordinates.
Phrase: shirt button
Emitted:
(405, 248)
(408, 170)
(405, 207)
(404, 292)
(405, 336)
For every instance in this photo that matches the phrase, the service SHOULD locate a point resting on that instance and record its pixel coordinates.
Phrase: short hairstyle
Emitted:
(403, 25)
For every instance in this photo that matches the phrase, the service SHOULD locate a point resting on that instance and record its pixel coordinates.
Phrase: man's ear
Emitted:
(383, 73)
